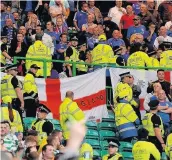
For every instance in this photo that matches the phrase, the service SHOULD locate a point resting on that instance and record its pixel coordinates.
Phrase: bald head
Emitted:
(161, 95)
(69, 94)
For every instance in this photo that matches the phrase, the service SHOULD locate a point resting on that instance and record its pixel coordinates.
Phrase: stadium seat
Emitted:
(163, 157)
(111, 114)
(92, 134)
(104, 144)
(108, 120)
(106, 126)
(28, 121)
(127, 155)
(125, 146)
(105, 134)
(104, 152)
(96, 153)
(93, 142)
(91, 125)
(56, 124)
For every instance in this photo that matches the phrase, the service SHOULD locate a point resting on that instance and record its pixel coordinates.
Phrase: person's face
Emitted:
(49, 26)
(49, 153)
(9, 22)
(112, 150)
(59, 22)
(157, 87)
(129, 9)
(56, 142)
(20, 136)
(139, 39)
(131, 80)
(42, 115)
(60, 135)
(20, 37)
(161, 95)
(13, 72)
(74, 43)
(162, 31)
(90, 19)
(7, 128)
(34, 18)
(126, 79)
(116, 34)
(38, 30)
(85, 7)
(91, 2)
(150, 3)
(2, 7)
(96, 31)
(3, 129)
(64, 39)
(30, 144)
(119, 4)
(34, 70)
(143, 9)
(152, 27)
(136, 21)
(4, 40)
(160, 75)
(16, 16)
(22, 30)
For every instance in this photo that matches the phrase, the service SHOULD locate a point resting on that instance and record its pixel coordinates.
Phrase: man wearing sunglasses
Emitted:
(11, 86)
(113, 151)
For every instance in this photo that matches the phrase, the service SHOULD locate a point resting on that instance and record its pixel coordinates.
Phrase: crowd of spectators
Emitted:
(122, 33)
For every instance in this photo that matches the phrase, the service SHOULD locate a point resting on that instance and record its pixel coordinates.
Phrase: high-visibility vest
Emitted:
(113, 59)
(30, 86)
(101, 54)
(153, 62)
(115, 157)
(86, 152)
(40, 51)
(138, 59)
(125, 117)
(16, 125)
(7, 88)
(69, 111)
(2, 58)
(147, 124)
(74, 57)
(166, 59)
(37, 125)
(168, 148)
(82, 67)
(142, 150)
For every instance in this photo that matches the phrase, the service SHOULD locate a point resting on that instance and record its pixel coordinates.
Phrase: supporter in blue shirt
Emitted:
(80, 17)
(169, 32)
(136, 8)
(137, 28)
(116, 40)
(164, 113)
(55, 36)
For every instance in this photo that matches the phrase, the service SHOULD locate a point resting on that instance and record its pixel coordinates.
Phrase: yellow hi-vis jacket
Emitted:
(86, 152)
(16, 125)
(115, 157)
(124, 87)
(168, 148)
(69, 111)
(7, 88)
(147, 124)
(40, 51)
(138, 59)
(143, 149)
(82, 67)
(153, 62)
(166, 59)
(2, 58)
(101, 54)
(29, 86)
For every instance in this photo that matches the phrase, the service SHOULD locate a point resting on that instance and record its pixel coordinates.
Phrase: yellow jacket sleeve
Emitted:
(163, 60)
(154, 151)
(20, 126)
(129, 113)
(28, 81)
(147, 60)
(76, 112)
(49, 57)
(28, 55)
(168, 145)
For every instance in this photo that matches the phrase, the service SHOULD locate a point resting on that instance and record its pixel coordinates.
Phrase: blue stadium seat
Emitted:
(106, 134)
(92, 134)
(28, 121)
(91, 125)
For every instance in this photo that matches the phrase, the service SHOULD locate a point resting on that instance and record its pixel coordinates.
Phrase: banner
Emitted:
(141, 78)
(89, 93)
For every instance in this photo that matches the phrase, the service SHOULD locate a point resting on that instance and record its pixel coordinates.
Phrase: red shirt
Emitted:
(127, 20)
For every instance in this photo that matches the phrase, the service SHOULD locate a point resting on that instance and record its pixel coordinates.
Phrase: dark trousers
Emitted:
(30, 106)
(156, 142)
(137, 110)
(16, 104)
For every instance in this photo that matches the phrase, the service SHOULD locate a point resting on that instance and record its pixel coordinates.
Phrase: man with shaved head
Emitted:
(69, 113)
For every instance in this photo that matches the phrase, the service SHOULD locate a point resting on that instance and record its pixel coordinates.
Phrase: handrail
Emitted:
(89, 64)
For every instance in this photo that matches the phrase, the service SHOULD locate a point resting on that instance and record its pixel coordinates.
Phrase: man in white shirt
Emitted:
(116, 12)
(46, 39)
(162, 37)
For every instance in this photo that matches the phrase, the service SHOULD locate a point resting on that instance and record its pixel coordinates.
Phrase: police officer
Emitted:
(11, 86)
(102, 52)
(153, 123)
(71, 54)
(168, 148)
(40, 51)
(113, 151)
(124, 85)
(143, 150)
(125, 118)
(42, 125)
(86, 152)
(31, 91)
(69, 112)
(153, 59)
(10, 114)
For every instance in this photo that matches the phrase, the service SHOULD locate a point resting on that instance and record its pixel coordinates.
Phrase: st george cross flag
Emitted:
(89, 93)
(141, 78)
